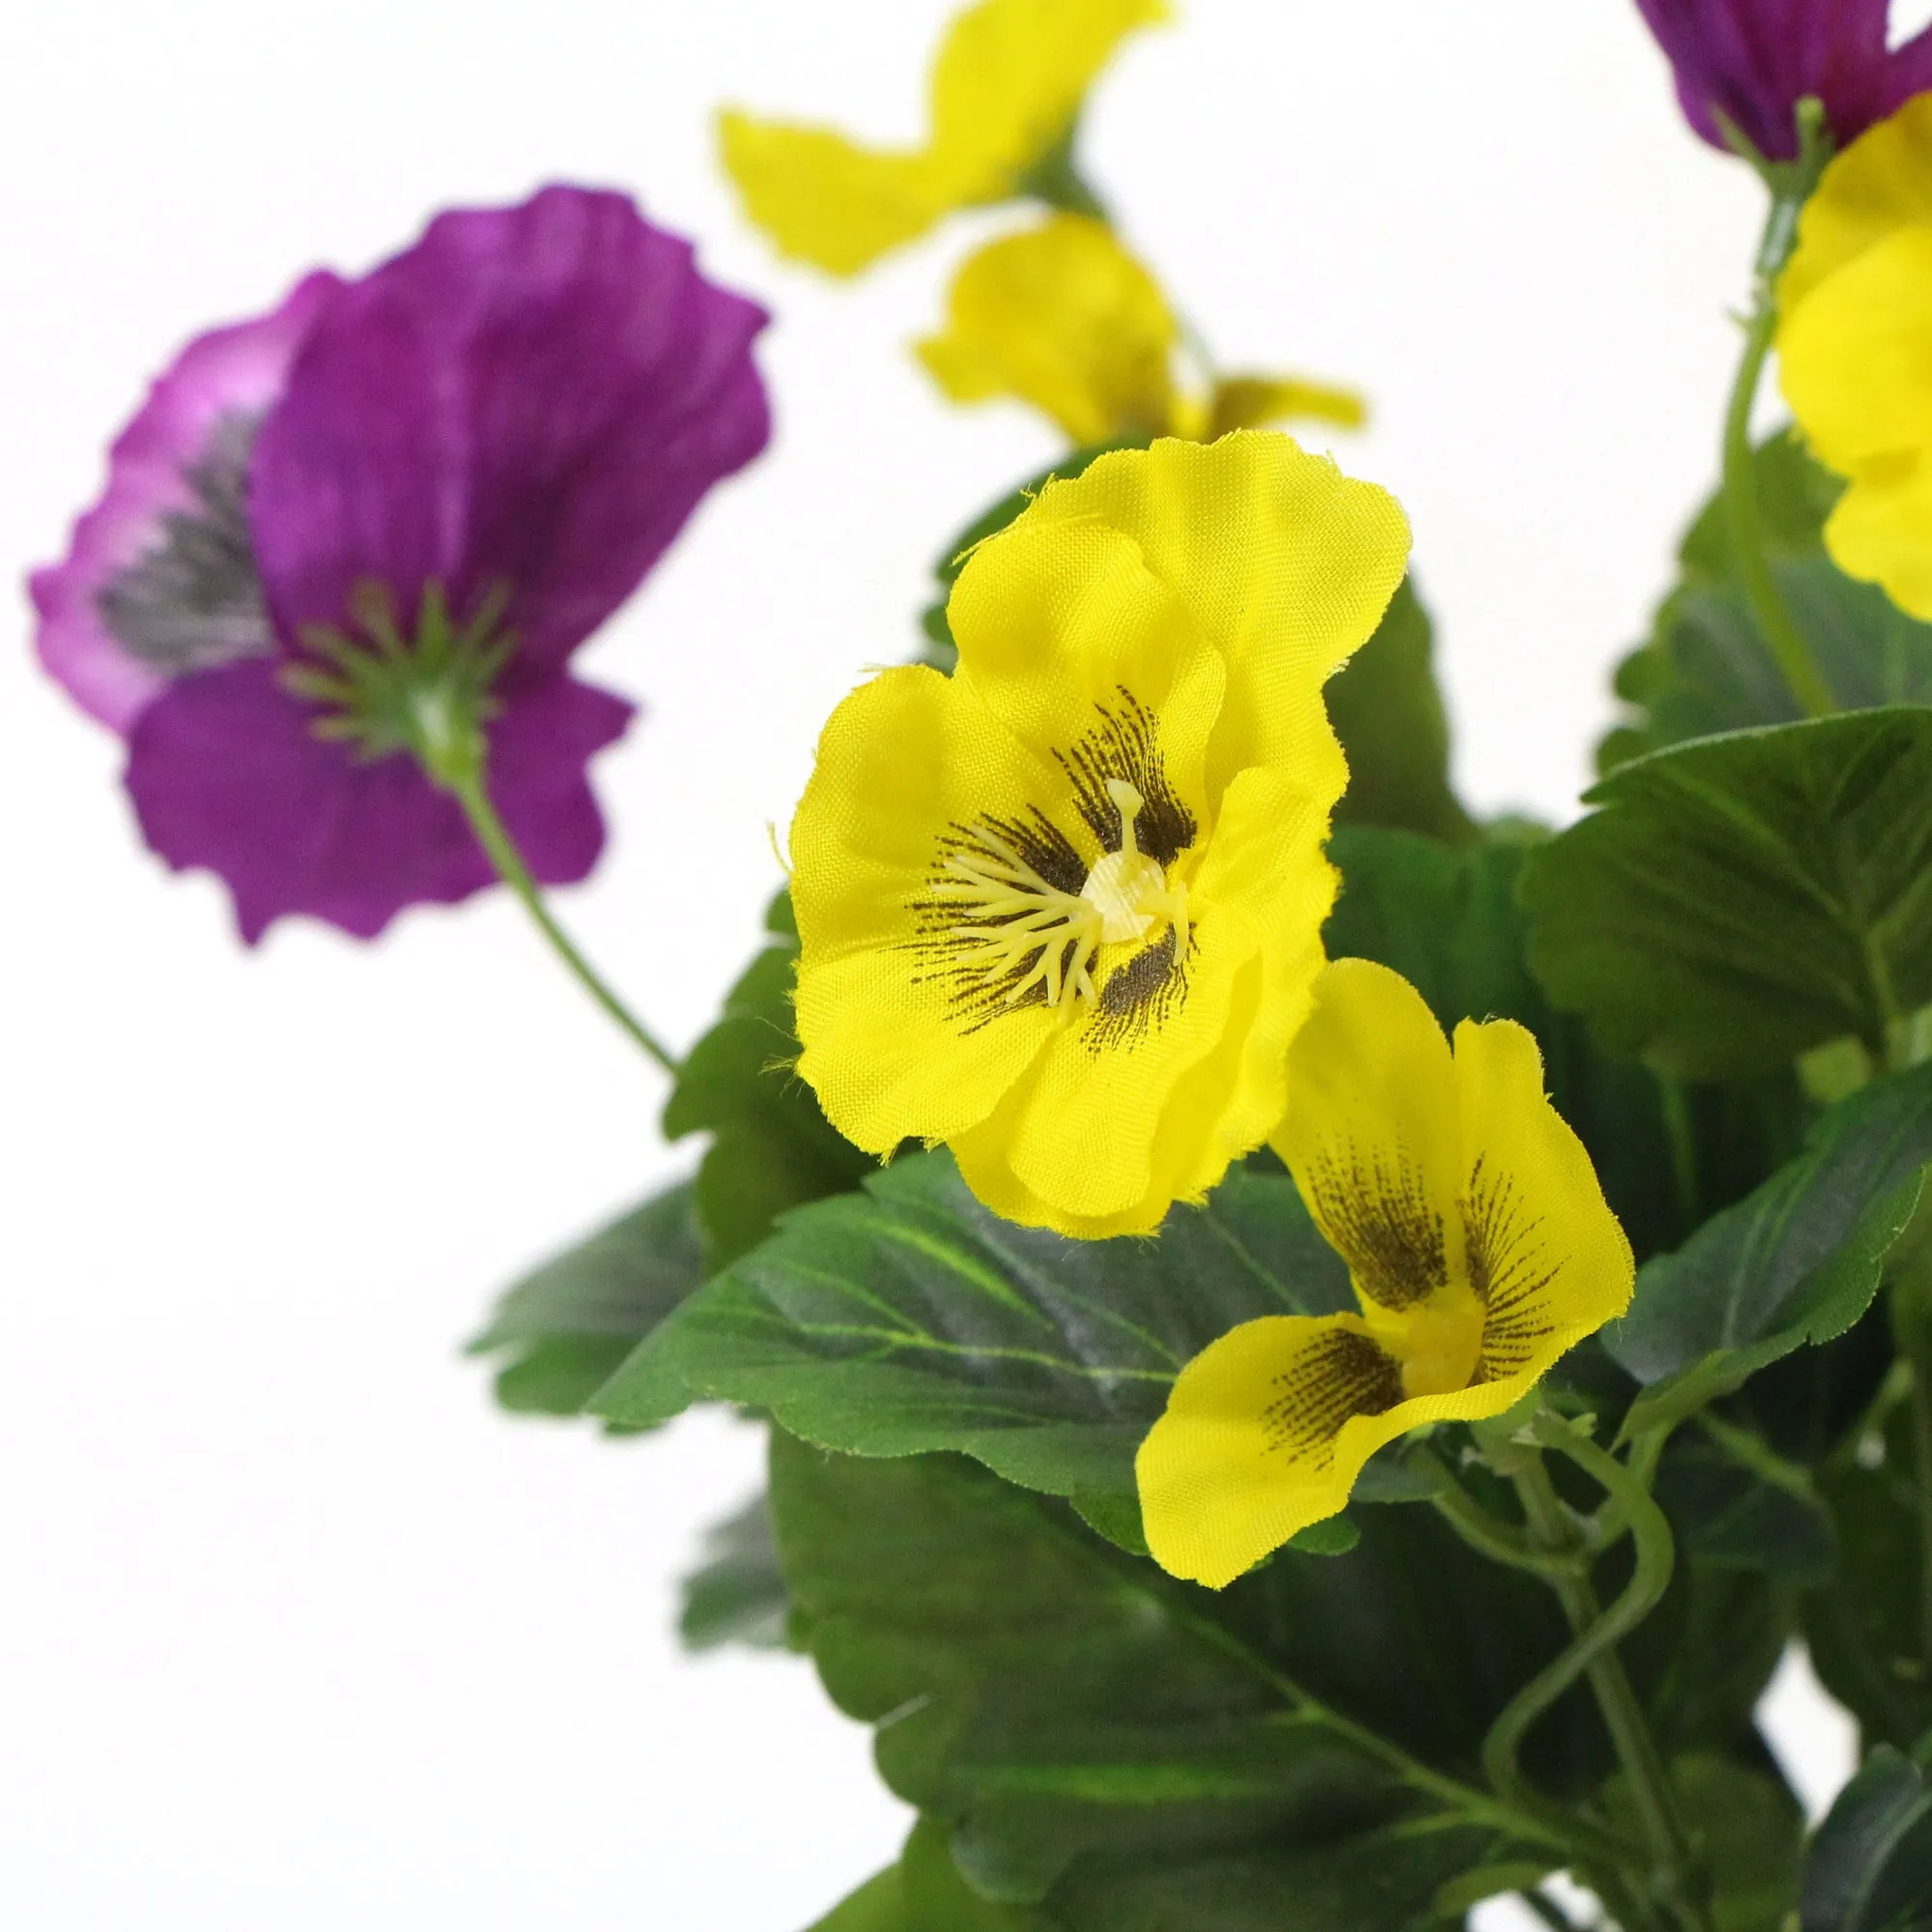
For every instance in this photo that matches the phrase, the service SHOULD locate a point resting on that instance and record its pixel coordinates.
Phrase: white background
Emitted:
(294, 1631)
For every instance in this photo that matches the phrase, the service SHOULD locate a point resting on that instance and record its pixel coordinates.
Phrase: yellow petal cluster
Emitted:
(1006, 86)
(1062, 910)
(1480, 1247)
(1855, 349)
(1062, 316)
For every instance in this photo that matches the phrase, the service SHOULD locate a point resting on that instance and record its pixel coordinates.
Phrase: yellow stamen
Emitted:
(1033, 933)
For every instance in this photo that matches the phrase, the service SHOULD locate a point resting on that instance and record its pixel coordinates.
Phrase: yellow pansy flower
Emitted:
(1063, 317)
(1480, 1246)
(1855, 349)
(1007, 87)
(1062, 909)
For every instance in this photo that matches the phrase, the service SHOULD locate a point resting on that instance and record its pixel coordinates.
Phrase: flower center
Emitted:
(1041, 941)
(1437, 1342)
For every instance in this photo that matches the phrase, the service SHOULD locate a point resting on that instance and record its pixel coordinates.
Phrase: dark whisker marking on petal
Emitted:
(192, 600)
(1509, 1269)
(1138, 996)
(1384, 1225)
(1124, 745)
(1343, 1375)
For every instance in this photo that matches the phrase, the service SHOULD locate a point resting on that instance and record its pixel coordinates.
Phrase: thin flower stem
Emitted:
(1593, 1654)
(491, 834)
(1790, 188)
(1549, 1911)
(1487, 1535)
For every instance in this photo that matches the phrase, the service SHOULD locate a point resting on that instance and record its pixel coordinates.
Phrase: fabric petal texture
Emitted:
(1480, 1247)
(1059, 910)
(510, 420)
(1007, 87)
(1751, 62)
(159, 578)
(1854, 350)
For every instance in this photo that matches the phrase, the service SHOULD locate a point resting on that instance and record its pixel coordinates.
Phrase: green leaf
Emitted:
(1745, 1828)
(1865, 1626)
(1738, 1518)
(1129, 1751)
(1738, 900)
(1388, 711)
(1706, 668)
(771, 1146)
(923, 1892)
(907, 1318)
(570, 1324)
(1870, 1865)
(737, 1595)
(1798, 1260)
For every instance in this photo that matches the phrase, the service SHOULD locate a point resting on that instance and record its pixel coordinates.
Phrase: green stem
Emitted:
(1593, 1654)
(1742, 508)
(495, 840)
(1487, 1535)
(1549, 1911)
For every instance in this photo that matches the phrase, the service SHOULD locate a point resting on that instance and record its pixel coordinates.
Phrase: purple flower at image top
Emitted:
(1751, 63)
(491, 436)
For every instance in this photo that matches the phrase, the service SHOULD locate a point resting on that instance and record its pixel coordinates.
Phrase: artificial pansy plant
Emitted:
(1165, 1140)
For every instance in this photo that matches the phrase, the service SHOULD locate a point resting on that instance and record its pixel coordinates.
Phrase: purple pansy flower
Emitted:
(1751, 62)
(511, 421)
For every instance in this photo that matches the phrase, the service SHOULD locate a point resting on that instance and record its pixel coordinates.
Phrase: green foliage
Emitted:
(907, 1317)
(1741, 899)
(1871, 1865)
(923, 1892)
(737, 1594)
(1744, 1828)
(1129, 1751)
(1732, 1506)
(1706, 669)
(771, 1145)
(1387, 710)
(1796, 1262)
(571, 1323)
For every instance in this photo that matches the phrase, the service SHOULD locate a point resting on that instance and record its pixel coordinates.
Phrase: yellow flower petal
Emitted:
(826, 200)
(1010, 77)
(1856, 356)
(1061, 317)
(1252, 402)
(1548, 1260)
(1006, 85)
(886, 1048)
(1372, 1133)
(1881, 183)
(1265, 1432)
(1319, 556)
(1854, 350)
(1882, 531)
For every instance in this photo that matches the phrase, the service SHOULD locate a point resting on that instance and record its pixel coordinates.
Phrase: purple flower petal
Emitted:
(227, 773)
(1753, 61)
(534, 397)
(154, 519)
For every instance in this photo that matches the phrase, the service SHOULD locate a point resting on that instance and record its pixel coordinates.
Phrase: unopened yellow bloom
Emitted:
(1062, 910)
(1479, 1243)
(1063, 317)
(1855, 349)
(1006, 86)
